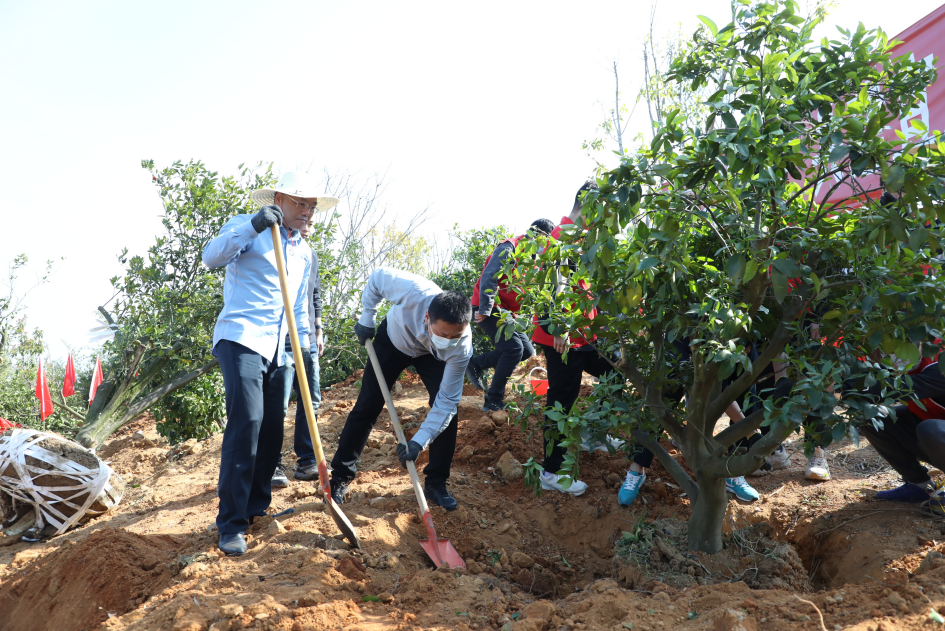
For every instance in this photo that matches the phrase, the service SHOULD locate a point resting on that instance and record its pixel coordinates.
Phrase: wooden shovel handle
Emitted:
(296, 348)
(411, 467)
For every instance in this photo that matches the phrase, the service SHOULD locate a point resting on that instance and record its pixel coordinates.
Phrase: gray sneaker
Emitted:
(279, 479)
(307, 473)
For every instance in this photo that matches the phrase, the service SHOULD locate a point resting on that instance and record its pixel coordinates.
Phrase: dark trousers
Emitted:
(304, 451)
(564, 386)
(255, 411)
(370, 403)
(506, 356)
(905, 441)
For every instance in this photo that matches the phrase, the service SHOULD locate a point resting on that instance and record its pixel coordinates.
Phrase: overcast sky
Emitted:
(475, 109)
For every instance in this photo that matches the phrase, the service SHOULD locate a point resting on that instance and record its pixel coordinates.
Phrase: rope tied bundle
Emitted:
(65, 488)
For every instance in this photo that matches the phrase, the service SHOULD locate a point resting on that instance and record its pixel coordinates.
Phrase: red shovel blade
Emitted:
(440, 550)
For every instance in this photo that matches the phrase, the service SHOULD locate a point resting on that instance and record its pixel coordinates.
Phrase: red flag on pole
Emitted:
(68, 384)
(42, 393)
(97, 379)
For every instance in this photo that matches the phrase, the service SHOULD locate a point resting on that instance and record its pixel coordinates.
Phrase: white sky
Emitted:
(477, 109)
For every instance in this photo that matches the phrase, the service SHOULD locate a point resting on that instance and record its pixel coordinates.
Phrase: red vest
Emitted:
(538, 335)
(932, 409)
(507, 299)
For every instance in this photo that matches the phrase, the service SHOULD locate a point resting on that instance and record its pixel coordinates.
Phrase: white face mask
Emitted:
(440, 342)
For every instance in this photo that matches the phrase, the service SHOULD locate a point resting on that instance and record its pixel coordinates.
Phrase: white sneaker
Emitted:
(561, 483)
(817, 468)
(616, 443)
(779, 459)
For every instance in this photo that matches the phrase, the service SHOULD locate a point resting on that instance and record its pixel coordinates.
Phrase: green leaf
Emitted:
(868, 303)
(838, 153)
(918, 239)
(729, 120)
(786, 267)
(735, 267)
(838, 432)
(779, 284)
(908, 352)
(712, 27)
(835, 313)
(370, 599)
(896, 178)
(647, 263)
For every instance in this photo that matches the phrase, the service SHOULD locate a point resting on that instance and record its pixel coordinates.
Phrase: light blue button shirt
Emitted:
(411, 296)
(253, 314)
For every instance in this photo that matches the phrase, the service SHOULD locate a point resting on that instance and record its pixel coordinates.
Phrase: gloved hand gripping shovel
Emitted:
(439, 550)
(341, 520)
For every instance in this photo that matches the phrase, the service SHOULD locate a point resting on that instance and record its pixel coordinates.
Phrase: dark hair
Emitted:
(544, 226)
(450, 306)
(589, 185)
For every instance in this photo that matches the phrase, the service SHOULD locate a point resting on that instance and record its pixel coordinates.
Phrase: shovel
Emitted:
(341, 520)
(439, 550)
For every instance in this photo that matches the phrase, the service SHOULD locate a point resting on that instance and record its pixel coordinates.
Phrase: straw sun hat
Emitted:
(296, 185)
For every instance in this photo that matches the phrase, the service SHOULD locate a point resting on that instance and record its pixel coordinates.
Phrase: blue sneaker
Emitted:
(741, 489)
(908, 492)
(631, 488)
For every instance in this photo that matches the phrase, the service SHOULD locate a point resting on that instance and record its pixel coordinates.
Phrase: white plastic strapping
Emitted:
(16, 445)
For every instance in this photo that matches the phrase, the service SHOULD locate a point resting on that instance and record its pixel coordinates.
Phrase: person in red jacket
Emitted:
(917, 433)
(490, 295)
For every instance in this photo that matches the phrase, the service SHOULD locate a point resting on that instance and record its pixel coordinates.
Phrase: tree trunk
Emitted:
(104, 420)
(708, 513)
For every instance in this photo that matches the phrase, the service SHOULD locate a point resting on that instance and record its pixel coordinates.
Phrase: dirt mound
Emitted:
(658, 551)
(82, 584)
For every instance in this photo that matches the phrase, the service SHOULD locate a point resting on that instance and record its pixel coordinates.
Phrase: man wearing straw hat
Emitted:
(247, 341)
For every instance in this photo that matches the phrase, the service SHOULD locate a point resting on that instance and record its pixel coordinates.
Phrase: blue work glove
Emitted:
(410, 451)
(267, 217)
(364, 333)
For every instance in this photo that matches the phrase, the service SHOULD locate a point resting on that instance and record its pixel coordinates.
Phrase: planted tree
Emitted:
(166, 306)
(707, 253)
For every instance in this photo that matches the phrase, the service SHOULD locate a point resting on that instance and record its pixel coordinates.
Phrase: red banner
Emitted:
(924, 40)
(96, 379)
(42, 393)
(68, 384)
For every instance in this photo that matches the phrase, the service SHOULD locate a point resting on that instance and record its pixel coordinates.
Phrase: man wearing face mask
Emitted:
(426, 328)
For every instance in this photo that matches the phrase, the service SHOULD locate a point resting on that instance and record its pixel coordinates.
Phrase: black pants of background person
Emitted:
(907, 440)
(564, 386)
(304, 449)
(370, 403)
(506, 356)
(903, 442)
(255, 411)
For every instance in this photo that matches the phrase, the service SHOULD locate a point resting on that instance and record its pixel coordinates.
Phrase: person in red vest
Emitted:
(915, 435)
(491, 294)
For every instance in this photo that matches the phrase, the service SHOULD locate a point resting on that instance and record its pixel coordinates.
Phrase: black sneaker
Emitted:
(474, 375)
(492, 406)
(233, 545)
(306, 473)
(339, 488)
(279, 478)
(439, 495)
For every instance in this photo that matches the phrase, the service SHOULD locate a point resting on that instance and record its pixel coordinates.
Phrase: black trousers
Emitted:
(908, 439)
(370, 403)
(564, 386)
(506, 356)
(255, 411)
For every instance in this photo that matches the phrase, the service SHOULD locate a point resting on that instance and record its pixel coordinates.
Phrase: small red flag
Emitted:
(97, 379)
(68, 384)
(42, 393)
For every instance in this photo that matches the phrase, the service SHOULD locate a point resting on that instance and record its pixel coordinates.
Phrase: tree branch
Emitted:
(669, 463)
